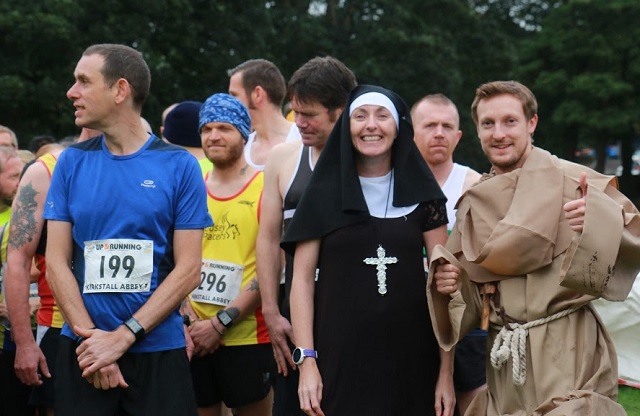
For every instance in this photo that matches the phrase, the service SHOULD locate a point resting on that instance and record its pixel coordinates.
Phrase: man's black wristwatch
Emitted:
(135, 327)
(225, 319)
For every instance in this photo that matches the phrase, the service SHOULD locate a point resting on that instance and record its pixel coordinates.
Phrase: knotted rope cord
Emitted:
(513, 342)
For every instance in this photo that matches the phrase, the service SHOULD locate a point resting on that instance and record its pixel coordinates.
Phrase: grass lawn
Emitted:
(629, 398)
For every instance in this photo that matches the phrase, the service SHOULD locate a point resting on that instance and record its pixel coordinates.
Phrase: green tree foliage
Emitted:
(414, 47)
(189, 45)
(584, 67)
(35, 70)
(515, 15)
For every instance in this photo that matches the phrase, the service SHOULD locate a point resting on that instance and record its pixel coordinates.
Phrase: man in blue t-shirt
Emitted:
(126, 213)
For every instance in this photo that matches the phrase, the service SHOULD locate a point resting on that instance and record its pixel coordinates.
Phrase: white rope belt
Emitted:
(513, 343)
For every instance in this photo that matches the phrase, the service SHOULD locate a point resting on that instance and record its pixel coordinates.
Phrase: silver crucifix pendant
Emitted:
(381, 262)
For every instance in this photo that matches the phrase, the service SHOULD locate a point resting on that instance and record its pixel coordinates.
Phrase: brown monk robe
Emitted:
(511, 230)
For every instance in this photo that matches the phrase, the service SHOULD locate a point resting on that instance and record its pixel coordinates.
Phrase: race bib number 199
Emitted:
(118, 265)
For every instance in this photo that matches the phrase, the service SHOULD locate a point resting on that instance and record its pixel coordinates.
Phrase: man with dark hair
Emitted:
(135, 246)
(121, 62)
(535, 241)
(318, 91)
(260, 86)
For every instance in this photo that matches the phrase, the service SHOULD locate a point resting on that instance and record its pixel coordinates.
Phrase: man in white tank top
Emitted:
(260, 86)
(436, 133)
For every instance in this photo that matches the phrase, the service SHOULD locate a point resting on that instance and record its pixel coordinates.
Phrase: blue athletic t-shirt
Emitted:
(127, 201)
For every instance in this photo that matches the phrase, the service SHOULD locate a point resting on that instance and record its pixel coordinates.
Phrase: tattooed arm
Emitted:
(24, 235)
(246, 303)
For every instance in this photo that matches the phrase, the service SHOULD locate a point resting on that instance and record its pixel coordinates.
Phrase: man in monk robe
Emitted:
(534, 242)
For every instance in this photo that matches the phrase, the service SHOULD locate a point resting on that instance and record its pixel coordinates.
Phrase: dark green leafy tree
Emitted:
(414, 47)
(516, 15)
(37, 42)
(584, 67)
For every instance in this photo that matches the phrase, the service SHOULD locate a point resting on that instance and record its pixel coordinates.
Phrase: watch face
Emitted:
(297, 356)
(134, 326)
(225, 318)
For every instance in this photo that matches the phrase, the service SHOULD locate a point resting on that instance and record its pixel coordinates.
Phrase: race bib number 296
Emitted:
(118, 265)
(220, 282)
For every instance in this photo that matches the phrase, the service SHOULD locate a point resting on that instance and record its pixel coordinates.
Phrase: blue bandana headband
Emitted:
(224, 108)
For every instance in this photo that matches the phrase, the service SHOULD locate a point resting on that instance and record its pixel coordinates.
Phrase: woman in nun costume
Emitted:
(358, 298)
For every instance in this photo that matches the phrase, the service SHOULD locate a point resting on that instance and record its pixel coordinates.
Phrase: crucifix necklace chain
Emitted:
(381, 260)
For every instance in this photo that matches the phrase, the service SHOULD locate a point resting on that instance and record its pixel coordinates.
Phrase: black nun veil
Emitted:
(334, 198)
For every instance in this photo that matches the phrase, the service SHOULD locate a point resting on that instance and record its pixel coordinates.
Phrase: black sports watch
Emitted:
(135, 327)
(299, 354)
(225, 318)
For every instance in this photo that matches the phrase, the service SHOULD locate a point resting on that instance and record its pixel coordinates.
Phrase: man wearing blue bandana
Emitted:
(126, 212)
(233, 362)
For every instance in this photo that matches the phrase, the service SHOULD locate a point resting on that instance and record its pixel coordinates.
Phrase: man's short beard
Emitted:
(231, 158)
(223, 163)
(507, 165)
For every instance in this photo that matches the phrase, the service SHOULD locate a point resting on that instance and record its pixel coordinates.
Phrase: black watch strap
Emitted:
(225, 318)
(135, 327)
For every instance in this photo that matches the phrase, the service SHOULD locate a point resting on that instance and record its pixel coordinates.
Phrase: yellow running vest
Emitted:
(229, 261)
